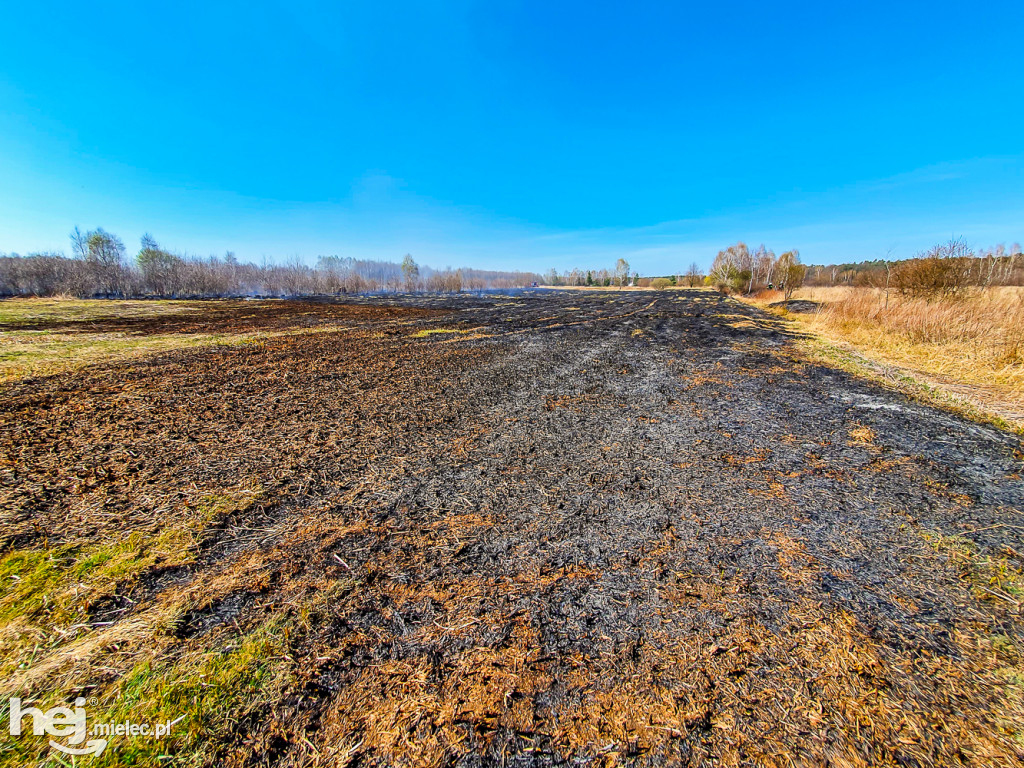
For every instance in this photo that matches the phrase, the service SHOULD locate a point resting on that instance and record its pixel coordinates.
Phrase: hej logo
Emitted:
(70, 724)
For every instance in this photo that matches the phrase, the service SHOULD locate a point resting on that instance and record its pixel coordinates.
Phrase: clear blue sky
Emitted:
(529, 134)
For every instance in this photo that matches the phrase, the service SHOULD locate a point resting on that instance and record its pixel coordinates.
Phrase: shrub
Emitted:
(943, 272)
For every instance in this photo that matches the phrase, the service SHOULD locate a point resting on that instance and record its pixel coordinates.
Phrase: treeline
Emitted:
(735, 269)
(619, 277)
(947, 270)
(591, 277)
(100, 267)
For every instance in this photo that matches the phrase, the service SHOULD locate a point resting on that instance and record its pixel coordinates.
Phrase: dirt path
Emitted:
(591, 528)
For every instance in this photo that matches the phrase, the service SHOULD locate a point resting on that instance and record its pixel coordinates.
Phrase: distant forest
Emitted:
(101, 267)
(947, 268)
(998, 265)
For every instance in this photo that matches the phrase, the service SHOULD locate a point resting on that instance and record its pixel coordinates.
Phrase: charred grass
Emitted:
(581, 528)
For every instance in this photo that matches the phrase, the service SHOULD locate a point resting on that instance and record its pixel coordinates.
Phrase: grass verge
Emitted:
(961, 356)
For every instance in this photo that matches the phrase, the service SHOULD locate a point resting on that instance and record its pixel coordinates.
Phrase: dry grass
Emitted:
(427, 332)
(43, 353)
(972, 347)
(71, 310)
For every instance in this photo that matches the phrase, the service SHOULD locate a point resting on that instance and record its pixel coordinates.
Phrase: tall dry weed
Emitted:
(976, 339)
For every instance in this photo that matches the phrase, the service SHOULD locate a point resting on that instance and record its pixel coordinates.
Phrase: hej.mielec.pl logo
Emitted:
(70, 725)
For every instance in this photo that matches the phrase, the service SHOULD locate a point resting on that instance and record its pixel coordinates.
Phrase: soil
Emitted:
(565, 528)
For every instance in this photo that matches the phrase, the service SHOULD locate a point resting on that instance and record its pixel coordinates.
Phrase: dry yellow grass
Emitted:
(31, 347)
(31, 352)
(68, 310)
(972, 347)
(42, 353)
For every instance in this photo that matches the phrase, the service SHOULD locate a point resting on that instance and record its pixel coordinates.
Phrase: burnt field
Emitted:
(584, 528)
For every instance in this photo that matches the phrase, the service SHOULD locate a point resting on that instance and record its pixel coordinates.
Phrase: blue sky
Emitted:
(517, 134)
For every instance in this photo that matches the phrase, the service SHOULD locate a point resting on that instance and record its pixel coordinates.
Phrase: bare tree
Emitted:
(79, 244)
(621, 271)
(161, 271)
(694, 275)
(732, 268)
(410, 273)
(791, 272)
(888, 277)
(762, 266)
(104, 253)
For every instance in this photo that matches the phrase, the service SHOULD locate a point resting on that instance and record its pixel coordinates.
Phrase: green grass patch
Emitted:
(44, 592)
(47, 592)
(206, 691)
(61, 583)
